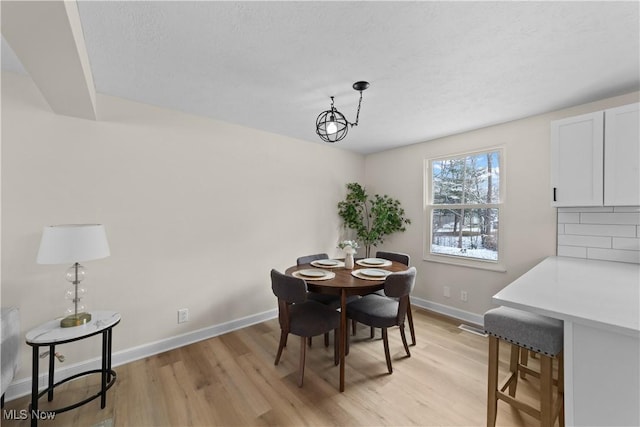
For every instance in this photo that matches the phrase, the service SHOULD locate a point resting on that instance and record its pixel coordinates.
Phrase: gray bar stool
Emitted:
(526, 332)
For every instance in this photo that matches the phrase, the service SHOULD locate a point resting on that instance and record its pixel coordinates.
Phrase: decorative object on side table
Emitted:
(371, 218)
(73, 243)
(349, 247)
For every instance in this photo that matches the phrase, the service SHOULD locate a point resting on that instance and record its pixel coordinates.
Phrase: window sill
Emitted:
(471, 263)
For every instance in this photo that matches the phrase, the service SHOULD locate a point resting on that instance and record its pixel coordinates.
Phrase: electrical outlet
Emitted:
(463, 296)
(447, 292)
(183, 315)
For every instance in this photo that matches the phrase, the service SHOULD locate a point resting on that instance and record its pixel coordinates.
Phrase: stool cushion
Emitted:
(529, 330)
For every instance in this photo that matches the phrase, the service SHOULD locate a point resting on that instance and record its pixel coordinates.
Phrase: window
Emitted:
(464, 197)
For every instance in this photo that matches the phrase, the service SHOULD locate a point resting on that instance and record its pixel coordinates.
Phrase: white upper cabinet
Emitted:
(576, 160)
(595, 159)
(622, 156)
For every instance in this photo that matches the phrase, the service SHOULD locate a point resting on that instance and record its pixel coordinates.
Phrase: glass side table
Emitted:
(51, 334)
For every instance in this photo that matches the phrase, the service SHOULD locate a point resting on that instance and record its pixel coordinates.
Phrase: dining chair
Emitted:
(403, 259)
(302, 317)
(386, 311)
(332, 301)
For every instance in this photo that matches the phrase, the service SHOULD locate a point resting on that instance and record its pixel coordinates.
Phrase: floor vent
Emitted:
(472, 330)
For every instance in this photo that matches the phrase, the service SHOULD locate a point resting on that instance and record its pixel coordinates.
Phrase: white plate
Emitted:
(328, 275)
(327, 262)
(312, 273)
(373, 272)
(373, 261)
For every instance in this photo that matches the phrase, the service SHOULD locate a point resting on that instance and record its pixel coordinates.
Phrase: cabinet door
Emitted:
(622, 156)
(576, 160)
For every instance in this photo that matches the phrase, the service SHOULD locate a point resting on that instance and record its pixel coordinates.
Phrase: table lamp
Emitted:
(72, 244)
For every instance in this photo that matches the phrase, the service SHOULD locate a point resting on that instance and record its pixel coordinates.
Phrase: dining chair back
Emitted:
(308, 259)
(386, 311)
(394, 256)
(302, 317)
(332, 301)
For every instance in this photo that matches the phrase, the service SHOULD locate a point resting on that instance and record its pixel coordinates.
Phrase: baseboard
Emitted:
(456, 313)
(22, 387)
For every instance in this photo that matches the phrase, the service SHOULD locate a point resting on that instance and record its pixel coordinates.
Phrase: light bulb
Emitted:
(332, 127)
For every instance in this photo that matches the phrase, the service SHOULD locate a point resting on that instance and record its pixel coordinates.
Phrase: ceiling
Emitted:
(435, 68)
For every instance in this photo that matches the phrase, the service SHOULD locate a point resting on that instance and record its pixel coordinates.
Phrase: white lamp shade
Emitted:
(66, 244)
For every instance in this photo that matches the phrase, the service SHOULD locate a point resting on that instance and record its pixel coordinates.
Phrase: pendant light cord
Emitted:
(358, 113)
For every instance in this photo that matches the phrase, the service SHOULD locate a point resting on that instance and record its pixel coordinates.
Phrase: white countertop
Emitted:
(600, 294)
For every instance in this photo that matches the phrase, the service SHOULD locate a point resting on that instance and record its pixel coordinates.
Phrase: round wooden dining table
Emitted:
(345, 284)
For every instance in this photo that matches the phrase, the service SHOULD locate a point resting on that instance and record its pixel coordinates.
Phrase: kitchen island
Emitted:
(599, 302)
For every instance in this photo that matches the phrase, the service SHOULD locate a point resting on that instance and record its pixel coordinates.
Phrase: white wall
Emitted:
(197, 212)
(528, 219)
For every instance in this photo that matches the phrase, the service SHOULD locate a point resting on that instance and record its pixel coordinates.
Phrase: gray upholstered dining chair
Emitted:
(302, 317)
(386, 311)
(403, 259)
(332, 301)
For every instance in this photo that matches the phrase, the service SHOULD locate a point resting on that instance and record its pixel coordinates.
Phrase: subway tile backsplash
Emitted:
(605, 233)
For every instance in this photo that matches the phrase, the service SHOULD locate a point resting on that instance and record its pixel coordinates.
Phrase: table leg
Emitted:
(52, 352)
(103, 387)
(34, 386)
(343, 334)
(110, 338)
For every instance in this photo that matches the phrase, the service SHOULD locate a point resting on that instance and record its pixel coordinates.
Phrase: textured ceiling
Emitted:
(435, 68)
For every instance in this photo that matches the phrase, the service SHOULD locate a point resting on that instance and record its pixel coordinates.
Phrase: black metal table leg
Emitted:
(34, 386)
(103, 385)
(52, 352)
(110, 332)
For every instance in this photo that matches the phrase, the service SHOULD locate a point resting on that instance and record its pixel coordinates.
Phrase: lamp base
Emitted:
(75, 320)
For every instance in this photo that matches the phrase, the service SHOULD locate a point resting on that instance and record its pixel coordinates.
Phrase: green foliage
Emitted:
(371, 218)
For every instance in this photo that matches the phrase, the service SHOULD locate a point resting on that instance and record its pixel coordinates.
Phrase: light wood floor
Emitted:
(231, 380)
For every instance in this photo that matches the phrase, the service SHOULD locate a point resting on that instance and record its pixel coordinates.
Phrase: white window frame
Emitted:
(429, 207)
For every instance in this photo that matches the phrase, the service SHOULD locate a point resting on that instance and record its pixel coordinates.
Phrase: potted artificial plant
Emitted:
(372, 219)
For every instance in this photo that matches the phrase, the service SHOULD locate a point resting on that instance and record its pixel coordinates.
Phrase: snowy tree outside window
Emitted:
(463, 206)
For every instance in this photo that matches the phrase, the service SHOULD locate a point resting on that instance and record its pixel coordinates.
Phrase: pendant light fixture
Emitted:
(332, 125)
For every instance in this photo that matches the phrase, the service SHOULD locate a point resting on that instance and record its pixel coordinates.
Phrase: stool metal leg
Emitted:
(492, 400)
